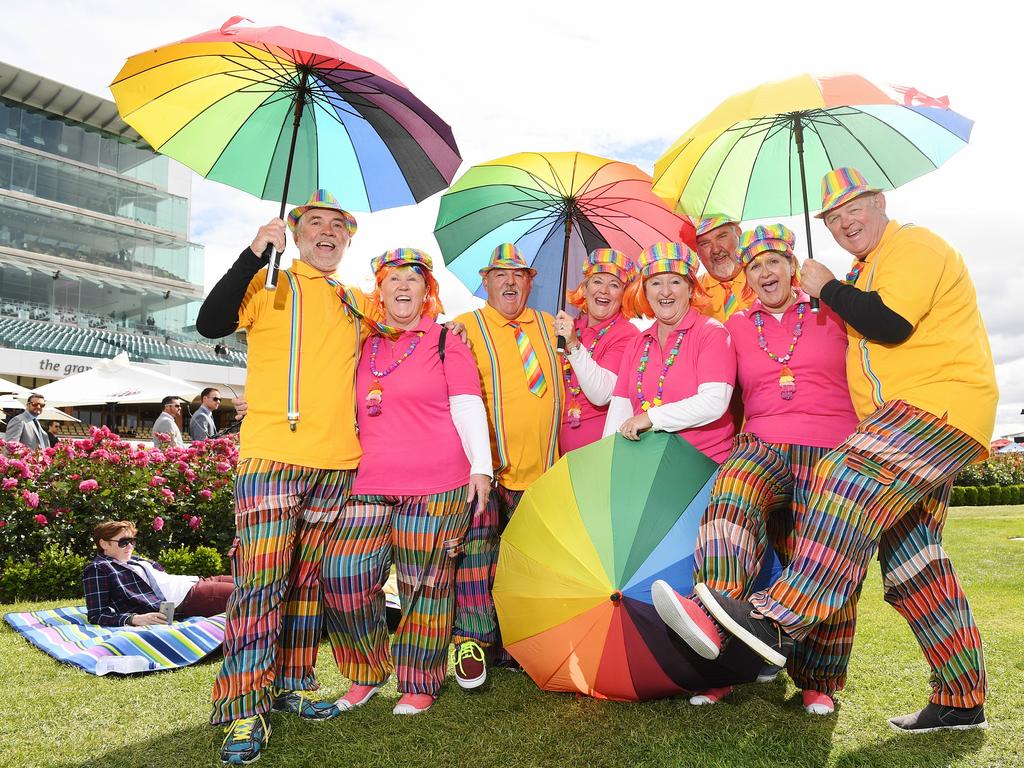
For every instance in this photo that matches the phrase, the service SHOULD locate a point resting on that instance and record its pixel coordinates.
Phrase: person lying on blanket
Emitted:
(123, 589)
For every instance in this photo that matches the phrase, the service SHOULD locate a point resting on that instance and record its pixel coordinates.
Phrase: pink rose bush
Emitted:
(175, 496)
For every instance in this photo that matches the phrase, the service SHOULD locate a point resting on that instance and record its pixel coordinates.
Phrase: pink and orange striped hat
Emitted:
(667, 257)
(610, 261)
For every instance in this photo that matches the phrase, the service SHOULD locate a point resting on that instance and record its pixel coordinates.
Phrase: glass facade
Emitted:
(83, 200)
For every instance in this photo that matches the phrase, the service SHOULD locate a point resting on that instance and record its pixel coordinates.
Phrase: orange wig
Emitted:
(431, 303)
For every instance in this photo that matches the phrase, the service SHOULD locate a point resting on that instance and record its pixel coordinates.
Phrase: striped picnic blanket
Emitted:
(65, 634)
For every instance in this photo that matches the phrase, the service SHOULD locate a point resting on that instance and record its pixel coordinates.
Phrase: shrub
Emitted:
(55, 573)
(201, 561)
(1001, 469)
(175, 497)
(956, 496)
(971, 496)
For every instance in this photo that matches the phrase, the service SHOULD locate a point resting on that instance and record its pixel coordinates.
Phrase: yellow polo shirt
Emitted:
(325, 437)
(524, 427)
(719, 293)
(945, 366)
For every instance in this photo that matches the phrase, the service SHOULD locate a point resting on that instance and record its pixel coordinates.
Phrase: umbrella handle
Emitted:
(272, 258)
(815, 304)
(561, 345)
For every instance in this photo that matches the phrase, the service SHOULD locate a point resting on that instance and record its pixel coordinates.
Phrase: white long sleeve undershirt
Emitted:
(470, 420)
(710, 402)
(596, 382)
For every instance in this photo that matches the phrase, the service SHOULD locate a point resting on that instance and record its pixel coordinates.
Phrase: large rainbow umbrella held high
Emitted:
(279, 113)
(576, 564)
(555, 207)
(762, 153)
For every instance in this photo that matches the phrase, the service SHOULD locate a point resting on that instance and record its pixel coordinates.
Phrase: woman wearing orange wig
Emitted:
(426, 465)
(595, 343)
(678, 375)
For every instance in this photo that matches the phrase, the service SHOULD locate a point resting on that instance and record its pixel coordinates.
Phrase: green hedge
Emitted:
(986, 496)
(56, 573)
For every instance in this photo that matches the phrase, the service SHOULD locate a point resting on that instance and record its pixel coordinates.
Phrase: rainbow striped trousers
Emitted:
(412, 531)
(760, 500)
(886, 489)
(284, 519)
(475, 618)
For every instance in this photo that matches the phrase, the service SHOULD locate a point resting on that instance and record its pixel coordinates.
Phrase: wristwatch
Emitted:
(128, 621)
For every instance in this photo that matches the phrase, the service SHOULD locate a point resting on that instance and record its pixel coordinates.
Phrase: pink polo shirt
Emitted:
(607, 354)
(412, 448)
(820, 413)
(705, 356)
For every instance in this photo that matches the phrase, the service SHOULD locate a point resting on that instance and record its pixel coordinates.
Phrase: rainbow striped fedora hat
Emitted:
(667, 257)
(840, 186)
(322, 199)
(507, 256)
(402, 257)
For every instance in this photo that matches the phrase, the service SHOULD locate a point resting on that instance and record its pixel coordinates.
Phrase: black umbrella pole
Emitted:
(798, 132)
(271, 255)
(564, 279)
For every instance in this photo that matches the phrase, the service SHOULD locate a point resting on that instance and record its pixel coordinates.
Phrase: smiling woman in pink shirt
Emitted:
(426, 466)
(595, 343)
(678, 375)
(792, 375)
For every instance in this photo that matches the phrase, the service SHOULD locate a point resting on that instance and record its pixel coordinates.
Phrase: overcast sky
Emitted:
(621, 80)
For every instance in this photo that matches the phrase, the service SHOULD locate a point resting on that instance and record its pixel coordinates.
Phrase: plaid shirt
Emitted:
(113, 591)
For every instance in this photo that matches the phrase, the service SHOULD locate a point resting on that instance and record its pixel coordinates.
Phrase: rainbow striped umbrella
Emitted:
(748, 156)
(279, 113)
(556, 207)
(576, 564)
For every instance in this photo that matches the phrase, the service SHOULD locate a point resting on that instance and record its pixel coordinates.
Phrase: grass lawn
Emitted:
(55, 715)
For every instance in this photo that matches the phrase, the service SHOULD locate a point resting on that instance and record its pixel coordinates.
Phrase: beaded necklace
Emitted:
(669, 362)
(575, 411)
(787, 381)
(375, 395)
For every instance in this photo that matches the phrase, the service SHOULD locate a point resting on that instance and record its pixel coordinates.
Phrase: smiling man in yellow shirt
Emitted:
(514, 347)
(298, 457)
(724, 281)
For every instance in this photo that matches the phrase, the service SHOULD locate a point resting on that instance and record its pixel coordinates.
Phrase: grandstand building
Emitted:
(95, 256)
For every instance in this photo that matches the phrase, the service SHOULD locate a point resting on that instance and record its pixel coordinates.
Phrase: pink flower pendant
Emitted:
(574, 413)
(787, 383)
(373, 398)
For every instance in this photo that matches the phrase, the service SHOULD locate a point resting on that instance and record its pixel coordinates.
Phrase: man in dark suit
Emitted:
(25, 427)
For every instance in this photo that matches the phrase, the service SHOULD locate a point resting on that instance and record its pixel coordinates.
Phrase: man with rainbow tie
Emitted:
(718, 243)
(514, 347)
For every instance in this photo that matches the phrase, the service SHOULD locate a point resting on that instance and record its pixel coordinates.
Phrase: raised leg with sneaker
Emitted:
(470, 665)
(299, 703)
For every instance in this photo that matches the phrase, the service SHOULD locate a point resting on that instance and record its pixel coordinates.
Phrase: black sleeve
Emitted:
(866, 313)
(218, 317)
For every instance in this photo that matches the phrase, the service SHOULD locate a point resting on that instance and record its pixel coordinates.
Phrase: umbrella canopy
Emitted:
(239, 104)
(11, 402)
(555, 207)
(576, 564)
(747, 157)
(12, 388)
(117, 381)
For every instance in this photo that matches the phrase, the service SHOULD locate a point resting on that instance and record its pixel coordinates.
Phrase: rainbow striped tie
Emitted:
(531, 366)
(731, 303)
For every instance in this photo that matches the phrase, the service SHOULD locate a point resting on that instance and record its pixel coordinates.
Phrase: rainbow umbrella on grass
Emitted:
(573, 585)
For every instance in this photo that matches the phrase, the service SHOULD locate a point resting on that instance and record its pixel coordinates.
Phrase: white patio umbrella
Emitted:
(117, 381)
(11, 388)
(11, 402)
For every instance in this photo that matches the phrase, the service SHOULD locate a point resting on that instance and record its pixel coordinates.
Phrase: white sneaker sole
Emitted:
(678, 620)
(467, 684)
(345, 706)
(765, 651)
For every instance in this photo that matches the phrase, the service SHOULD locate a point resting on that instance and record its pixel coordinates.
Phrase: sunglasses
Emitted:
(215, 399)
(125, 542)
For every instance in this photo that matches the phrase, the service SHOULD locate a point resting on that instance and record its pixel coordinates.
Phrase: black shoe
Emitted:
(763, 636)
(936, 717)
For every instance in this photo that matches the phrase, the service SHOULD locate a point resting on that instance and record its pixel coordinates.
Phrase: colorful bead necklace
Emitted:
(669, 362)
(375, 395)
(787, 381)
(575, 411)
